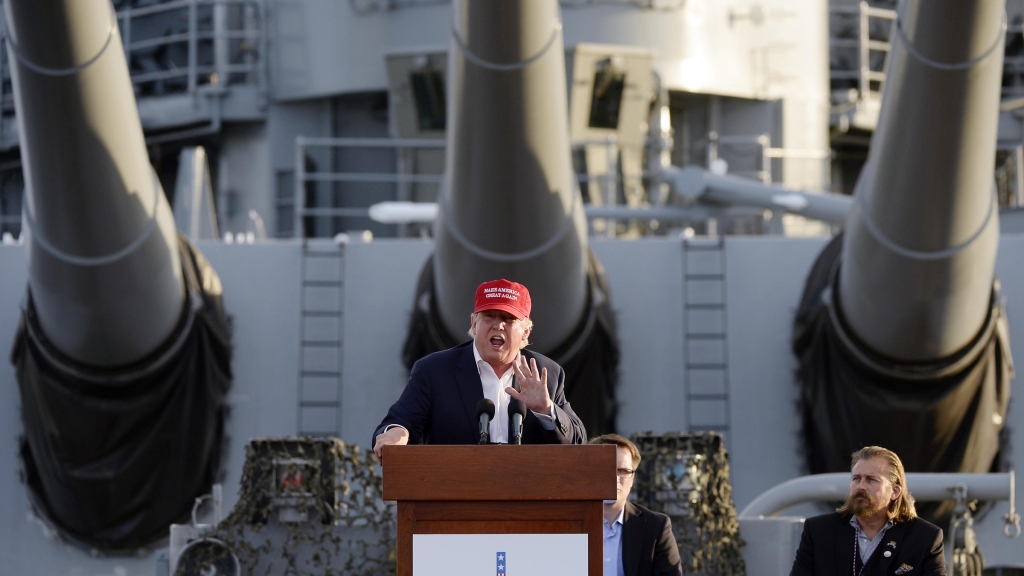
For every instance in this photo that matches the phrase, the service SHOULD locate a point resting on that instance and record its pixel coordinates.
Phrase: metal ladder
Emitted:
(706, 360)
(320, 338)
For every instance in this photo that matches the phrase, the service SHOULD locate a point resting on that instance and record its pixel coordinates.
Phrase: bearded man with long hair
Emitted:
(876, 531)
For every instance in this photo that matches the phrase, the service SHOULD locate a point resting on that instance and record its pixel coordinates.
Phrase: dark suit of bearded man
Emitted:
(826, 547)
(876, 531)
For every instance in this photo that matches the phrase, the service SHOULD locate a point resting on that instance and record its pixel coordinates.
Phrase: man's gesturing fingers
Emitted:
(533, 385)
(395, 435)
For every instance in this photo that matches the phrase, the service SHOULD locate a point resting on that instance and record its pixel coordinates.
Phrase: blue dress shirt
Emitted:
(613, 547)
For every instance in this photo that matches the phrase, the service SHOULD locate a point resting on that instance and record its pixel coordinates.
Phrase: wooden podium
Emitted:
(500, 489)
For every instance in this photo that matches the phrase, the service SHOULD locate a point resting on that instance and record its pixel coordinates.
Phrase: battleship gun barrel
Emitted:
(510, 206)
(104, 269)
(123, 353)
(901, 338)
(919, 251)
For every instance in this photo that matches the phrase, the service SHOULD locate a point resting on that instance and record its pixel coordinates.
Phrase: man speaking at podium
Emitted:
(439, 404)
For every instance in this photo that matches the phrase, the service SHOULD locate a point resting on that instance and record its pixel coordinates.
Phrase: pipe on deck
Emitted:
(696, 183)
(919, 251)
(510, 206)
(834, 487)
(105, 275)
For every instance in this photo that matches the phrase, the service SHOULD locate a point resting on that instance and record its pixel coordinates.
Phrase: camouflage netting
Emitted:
(686, 476)
(349, 530)
(329, 495)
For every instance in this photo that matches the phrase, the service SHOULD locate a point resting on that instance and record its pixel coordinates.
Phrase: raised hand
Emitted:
(533, 385)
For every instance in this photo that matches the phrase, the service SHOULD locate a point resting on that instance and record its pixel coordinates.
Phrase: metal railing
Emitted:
(307, 177)
(368, 6)
(12, 190)
(1010, 175)
(714, 144)
(6, 88)
(762, 144)
(1013, 61)
(178, 46)
(10, 224)
(869, 79)
(214, 42)
(304, 177)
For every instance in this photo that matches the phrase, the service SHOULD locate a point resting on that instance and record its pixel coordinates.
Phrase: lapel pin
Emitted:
(904, 568)
(891, 543)
(887, 553)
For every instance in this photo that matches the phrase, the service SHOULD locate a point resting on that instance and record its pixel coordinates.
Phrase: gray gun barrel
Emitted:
(920, 245)
(510, 206)
(104, 270)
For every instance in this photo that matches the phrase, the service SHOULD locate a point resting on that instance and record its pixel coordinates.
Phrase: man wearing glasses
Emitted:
(637, 541)
(438, 405)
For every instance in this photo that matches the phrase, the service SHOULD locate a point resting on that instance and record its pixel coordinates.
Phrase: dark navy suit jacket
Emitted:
(438, 405)
(648, 544)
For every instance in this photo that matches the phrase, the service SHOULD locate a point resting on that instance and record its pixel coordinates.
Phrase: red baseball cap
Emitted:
(504, 295)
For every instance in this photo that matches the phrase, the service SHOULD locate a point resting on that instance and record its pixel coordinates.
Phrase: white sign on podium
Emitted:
(499, 554)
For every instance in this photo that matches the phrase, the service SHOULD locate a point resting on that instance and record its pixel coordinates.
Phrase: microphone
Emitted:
(484, 412)
(516, 413)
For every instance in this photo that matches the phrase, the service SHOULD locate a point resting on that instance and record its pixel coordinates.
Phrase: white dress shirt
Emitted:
(494, 390)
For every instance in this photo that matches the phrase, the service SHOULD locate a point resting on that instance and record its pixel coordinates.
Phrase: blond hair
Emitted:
(526, 322)
(902, 508)
(622, 442)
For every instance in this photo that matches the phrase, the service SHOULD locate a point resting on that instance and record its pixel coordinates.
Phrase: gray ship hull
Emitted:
(318, 331)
